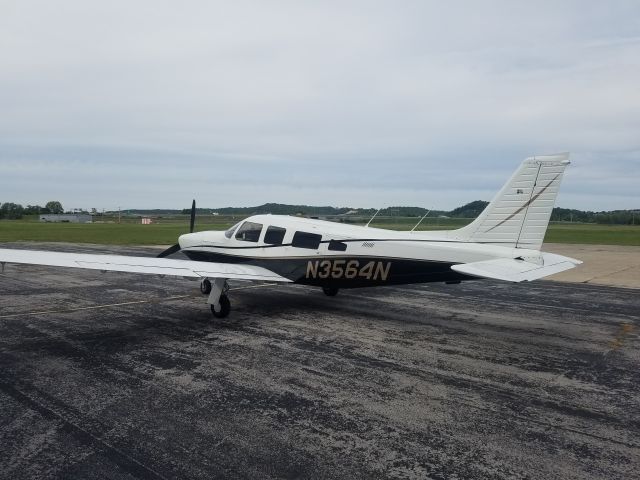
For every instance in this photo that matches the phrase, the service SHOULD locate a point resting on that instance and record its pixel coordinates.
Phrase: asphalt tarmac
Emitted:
(127, 376)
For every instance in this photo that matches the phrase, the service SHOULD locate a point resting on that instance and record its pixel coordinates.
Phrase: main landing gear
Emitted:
(330, 291)
(218, 299)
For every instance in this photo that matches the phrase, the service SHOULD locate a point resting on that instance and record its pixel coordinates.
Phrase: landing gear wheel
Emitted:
(224, 309)
(205, 286)
(330, 291)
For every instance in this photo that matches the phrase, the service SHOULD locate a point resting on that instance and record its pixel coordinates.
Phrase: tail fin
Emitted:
(519, 214)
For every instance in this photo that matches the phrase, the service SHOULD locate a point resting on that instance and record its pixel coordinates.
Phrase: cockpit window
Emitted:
(249, 232)
(306, 240)
(274, 235)
(229, 233)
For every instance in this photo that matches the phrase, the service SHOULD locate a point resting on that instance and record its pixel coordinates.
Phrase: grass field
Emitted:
(167, 230)
(593, 234)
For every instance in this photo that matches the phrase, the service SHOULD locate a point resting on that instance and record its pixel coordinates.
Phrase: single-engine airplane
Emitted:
(503, 243)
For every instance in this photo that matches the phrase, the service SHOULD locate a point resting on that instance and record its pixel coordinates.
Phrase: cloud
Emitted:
(360, 103)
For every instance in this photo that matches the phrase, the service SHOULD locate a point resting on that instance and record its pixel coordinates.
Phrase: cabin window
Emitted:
(306, 240)
(337, 246)
(274, 235)
(249, 232)
(229, 233)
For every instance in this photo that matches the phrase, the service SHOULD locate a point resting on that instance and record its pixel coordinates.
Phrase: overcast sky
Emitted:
(148, 104)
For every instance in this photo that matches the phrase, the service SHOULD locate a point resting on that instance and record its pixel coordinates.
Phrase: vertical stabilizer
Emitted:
(519, 214)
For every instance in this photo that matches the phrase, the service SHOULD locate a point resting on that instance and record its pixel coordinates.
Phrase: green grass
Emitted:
(593, 234)
(166, 231)
(101, 233)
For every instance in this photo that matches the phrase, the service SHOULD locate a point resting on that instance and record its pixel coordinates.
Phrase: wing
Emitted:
(150, 265)
(513, 270)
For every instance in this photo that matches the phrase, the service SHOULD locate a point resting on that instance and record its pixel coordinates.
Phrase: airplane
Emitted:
(502, 243)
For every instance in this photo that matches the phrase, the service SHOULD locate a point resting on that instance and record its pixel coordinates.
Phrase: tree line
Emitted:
(15, 211)
(470, 210)
(614, 217)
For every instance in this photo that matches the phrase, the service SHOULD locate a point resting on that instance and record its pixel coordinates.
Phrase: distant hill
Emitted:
(282, 209)
(470, 210)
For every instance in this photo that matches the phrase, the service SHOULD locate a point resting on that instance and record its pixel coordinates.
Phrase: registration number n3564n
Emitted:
(374, 270)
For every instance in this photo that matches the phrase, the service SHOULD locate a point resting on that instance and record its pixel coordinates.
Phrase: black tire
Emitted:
(330, 291)
(205, 287)
(225, 307)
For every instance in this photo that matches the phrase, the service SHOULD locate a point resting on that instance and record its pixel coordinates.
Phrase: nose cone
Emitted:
(199, 239)
(184, 241)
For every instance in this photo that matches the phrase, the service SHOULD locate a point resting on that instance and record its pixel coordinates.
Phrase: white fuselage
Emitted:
(405, 257)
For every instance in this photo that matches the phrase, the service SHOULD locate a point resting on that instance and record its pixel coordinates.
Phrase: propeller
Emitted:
(169, 251)
(176, 248)
(193, 216)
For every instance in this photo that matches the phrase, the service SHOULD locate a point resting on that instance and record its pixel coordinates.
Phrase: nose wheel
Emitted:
(223, 308)
(217, 289)
(205, 287)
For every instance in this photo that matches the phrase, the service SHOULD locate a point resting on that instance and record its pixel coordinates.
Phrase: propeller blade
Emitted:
(193, 216)
(169, 251)
(176, 248)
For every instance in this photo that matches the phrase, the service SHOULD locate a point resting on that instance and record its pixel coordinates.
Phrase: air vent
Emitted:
(368, 244)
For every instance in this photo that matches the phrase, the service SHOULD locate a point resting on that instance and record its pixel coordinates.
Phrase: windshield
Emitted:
(249, 232)
(229, 233)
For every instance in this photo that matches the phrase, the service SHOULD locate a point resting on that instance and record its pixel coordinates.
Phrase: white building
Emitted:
(66, 218)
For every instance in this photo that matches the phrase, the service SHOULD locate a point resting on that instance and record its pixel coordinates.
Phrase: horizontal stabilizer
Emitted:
(148, 265)
(514, 270)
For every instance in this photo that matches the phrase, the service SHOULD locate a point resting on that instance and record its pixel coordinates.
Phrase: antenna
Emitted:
(374, 216)
(420, 221)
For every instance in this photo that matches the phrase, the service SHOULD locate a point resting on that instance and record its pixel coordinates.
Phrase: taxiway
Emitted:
(127, 376)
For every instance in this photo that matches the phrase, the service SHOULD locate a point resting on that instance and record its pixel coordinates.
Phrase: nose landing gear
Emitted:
(223, 308)
(218, 299)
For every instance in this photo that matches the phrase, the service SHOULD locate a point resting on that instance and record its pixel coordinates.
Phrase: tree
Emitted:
(54, 207)
(11, 211)
(33, 210)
